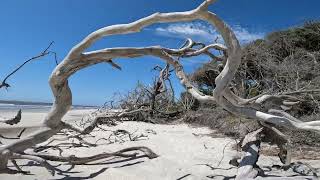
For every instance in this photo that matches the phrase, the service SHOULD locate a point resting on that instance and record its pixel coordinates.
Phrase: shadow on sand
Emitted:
(71, 173)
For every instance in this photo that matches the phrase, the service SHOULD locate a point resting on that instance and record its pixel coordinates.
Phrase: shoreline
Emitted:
(30, 106)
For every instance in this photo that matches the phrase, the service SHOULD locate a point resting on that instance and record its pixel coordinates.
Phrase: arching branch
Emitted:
(78, 59)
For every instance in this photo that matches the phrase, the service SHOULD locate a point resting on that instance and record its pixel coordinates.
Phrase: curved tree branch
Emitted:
(78, 59)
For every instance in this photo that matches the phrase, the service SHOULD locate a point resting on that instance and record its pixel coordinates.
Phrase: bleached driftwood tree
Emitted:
(263, 108)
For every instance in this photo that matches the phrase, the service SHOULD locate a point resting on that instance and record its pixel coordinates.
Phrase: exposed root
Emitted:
(38, 159)
(14, 120)
(260, 109)
(248, 169)
(84, 160)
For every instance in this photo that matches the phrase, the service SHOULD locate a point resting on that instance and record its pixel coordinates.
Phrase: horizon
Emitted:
(30, 27)
(20, 102)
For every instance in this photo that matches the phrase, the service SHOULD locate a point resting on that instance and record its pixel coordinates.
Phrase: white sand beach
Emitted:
(185, 152)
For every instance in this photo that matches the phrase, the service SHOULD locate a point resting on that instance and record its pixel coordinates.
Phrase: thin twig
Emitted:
(43, 53)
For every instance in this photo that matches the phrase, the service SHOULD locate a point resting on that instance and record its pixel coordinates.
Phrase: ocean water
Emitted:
(15, 107)
(33, 108)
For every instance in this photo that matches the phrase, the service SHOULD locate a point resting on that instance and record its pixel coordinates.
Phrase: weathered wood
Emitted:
(14, 120)
(78, 59)
(83, 160)
(251, 146)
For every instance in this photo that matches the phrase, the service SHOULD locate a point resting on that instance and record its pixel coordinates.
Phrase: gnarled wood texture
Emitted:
(78, 59)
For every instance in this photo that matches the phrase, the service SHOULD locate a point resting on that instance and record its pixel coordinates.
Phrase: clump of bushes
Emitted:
(284, 61)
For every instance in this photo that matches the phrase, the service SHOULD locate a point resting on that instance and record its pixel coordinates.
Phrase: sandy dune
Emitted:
(184, 152)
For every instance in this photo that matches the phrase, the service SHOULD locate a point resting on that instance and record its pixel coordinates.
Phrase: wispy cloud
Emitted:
(204, 32)
(245, 36)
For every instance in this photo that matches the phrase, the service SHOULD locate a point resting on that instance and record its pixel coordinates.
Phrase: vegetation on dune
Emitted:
(267, 86)
(285, 62)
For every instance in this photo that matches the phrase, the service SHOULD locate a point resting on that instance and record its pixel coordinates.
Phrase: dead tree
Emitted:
(144, 103)
(159, 86)
(264, 108)
(147, 97)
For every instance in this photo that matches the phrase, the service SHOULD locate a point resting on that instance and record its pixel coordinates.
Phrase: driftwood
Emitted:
(250, 145)
(275, 136)
(265, 108)
(14, 120)
(159, 86)
(116, 136)
(84, 160)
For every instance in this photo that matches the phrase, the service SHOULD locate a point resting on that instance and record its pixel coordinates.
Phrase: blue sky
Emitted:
(29, 26)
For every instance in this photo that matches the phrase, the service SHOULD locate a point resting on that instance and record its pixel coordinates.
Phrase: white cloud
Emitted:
(245, 36)
(205, 33)
(187, 30)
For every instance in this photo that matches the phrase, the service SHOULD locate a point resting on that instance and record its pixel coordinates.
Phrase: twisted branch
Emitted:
(78, 59)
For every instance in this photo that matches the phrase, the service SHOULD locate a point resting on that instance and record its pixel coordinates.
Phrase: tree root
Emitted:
(131, 152)
(84, 160)
(37, 159)
(248, 169)
(78, 58)
(14, 120)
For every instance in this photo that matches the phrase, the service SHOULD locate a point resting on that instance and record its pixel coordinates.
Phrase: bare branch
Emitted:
(42, 54)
